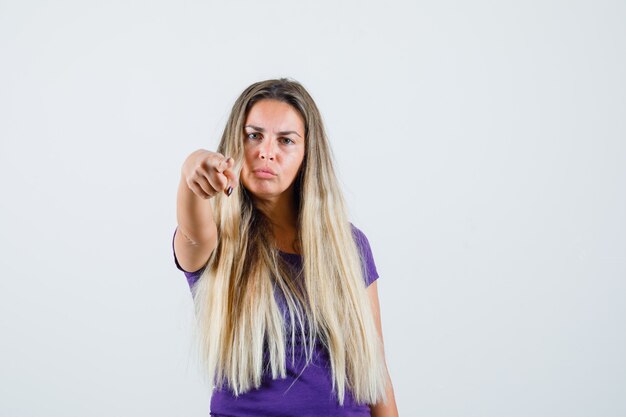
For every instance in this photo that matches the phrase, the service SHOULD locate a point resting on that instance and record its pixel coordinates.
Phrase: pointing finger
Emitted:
(223, 164)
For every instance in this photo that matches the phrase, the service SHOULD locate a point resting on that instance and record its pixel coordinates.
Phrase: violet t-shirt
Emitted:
(307, 389)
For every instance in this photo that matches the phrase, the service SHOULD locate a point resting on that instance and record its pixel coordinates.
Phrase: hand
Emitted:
(208, 173)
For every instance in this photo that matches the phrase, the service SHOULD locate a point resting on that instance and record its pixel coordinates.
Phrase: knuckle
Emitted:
(198, 171)
(215, 159)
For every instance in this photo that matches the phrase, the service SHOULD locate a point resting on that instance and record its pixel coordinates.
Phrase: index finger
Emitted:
(224, 164)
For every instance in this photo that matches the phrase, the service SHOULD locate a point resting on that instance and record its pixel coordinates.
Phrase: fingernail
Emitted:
(229, 191)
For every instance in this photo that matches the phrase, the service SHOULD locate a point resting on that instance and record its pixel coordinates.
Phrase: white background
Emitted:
(481, 146)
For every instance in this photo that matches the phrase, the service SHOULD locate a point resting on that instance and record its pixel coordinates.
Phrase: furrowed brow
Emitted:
(286, 132)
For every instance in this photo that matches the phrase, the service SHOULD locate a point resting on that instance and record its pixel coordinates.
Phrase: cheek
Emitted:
(291, 162)
(246, 161)
(300, 160)
(295, 163)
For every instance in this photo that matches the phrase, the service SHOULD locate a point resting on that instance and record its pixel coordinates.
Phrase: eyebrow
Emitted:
(260, 129)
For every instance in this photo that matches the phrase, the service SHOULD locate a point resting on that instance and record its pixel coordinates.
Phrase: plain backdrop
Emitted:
(481, 147)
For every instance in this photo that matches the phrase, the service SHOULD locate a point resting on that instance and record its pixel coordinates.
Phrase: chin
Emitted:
(262, 191)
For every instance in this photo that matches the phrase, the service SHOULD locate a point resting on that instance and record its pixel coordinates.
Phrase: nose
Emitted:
(267, 151)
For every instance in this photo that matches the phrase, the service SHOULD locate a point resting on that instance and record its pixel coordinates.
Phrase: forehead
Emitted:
(275, 115)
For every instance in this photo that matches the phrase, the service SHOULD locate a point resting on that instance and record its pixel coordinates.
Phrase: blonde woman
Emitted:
(284, 288)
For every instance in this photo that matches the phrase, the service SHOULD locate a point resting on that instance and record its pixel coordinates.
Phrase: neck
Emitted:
(280, 210)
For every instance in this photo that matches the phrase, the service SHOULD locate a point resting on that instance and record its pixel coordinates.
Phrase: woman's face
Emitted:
(273, 149)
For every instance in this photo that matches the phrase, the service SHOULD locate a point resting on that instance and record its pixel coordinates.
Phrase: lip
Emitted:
(264, 173)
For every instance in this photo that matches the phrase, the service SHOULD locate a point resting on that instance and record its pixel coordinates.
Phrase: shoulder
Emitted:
(360, 239)
(365, 252)
(358, 235)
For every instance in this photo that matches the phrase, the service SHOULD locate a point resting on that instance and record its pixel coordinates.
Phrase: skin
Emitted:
(389, 408)
(274, 140)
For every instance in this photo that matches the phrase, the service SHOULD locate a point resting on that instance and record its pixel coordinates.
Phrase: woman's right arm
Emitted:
(203, 175)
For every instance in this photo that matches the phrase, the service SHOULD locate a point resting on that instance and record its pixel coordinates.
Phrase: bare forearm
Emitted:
(194, 215)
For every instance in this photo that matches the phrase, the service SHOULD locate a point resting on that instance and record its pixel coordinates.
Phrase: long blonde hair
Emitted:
(237, 315)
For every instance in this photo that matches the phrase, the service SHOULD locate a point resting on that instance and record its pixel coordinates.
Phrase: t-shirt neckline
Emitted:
(289, 253)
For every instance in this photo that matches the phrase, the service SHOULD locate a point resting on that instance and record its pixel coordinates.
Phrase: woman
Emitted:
(284, 291)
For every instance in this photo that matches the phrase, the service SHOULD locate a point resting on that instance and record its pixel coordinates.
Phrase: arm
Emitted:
(203, 175)
(388, 409)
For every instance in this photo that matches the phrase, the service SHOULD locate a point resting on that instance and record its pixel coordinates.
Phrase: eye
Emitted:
(253, 136)
(287, 141)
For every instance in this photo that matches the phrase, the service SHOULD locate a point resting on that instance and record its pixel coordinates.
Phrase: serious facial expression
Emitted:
(273, 148)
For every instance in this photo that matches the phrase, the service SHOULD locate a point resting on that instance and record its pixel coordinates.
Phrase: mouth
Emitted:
(264, 172)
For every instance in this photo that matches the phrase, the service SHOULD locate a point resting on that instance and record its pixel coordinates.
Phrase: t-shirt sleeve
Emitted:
(192, 277)
(370, 274)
